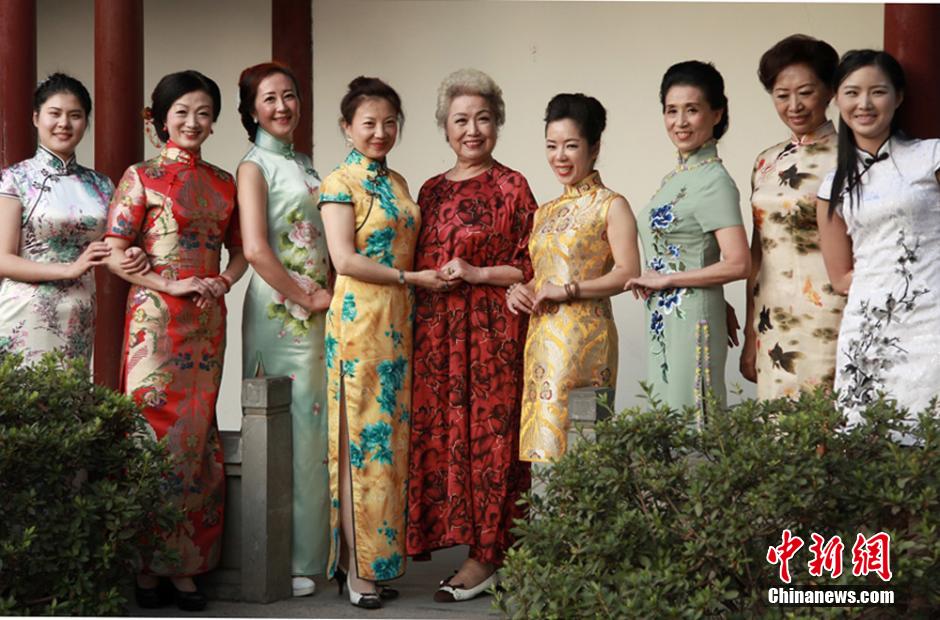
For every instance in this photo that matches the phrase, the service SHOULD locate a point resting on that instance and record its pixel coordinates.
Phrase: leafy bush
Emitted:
(657, 520)
(80, 489)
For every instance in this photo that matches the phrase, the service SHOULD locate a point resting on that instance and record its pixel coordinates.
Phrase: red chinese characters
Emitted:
(826, 557)
(869, 555)
(872, 555)
(782, 554)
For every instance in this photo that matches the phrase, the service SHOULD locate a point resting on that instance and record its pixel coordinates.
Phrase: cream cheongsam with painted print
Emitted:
(368, 361)
(796, 312)
(570, 344)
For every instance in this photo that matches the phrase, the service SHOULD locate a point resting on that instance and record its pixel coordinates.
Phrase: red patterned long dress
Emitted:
(465, 475)
(180, 210)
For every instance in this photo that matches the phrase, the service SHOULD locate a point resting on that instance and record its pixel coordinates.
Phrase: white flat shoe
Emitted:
(452, 593)
(303, 586)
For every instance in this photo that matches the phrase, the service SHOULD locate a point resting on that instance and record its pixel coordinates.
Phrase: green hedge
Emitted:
(80, 490)
(655, 520)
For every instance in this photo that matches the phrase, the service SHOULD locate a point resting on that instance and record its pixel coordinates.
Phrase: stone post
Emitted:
(266, 489)
(586, 407)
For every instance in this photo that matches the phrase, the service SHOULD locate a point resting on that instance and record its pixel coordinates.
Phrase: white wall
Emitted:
(615, 51)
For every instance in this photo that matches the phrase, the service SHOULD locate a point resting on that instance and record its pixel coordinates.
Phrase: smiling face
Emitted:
(189, 120)
(471, 129)
(569, 154)
(277, 106)
(61, 122)
(800, 99)
(374, 127)
(867, 101)
(689, 120)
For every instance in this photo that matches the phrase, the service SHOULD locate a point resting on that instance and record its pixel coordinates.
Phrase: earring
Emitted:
(348, 141)
(254, 119)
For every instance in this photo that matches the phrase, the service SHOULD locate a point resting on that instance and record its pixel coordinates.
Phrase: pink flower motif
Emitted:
(303, 234)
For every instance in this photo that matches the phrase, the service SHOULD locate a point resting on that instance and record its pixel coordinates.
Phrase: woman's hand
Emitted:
(429, 279)
(319, 300)
(135, 261)
(644, 285)
(548, 292)
(95, 254)
(748, 361)
(520, 298)
(733, 326)
(189, 286)
(459, 269)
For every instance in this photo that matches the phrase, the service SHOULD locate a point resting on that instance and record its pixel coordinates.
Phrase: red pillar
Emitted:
(912, 35)
(292, 44)
(119, 142)
(17, 80)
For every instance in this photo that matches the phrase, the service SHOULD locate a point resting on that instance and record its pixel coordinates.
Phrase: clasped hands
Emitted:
(452, 273)
(522, 297)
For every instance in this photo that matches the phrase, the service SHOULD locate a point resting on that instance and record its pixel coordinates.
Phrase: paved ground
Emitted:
(416, 587)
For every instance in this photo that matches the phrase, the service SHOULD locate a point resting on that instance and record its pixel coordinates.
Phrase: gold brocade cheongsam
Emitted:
(570, 344)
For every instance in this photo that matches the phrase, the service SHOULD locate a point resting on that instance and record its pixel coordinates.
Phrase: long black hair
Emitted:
(847, 180)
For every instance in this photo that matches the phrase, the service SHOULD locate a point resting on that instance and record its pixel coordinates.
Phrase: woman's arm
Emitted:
(748, 361)
(339, 221)
(836, 247)
(495, 275)
(252, 212)
(178, 288)
(735, 264)
(622, 237)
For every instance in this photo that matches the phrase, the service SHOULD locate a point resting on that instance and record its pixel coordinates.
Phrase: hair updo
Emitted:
(173, 86)
(248, 83)
(58, 83)
(363, 88)
(705, 77)
(584, 111)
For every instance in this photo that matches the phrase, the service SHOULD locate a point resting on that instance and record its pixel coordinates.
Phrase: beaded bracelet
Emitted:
(228, 283)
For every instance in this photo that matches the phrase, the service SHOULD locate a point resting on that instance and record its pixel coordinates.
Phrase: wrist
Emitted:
(405, 277)
(227, 281)
(480, 275)
(68, 271)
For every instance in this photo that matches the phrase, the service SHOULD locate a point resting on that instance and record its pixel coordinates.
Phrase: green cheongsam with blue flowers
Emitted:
(686, 328)
(368, 361)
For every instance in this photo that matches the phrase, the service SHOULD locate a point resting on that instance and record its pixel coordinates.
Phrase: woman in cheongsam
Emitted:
(793, 314)
(180, 210)
(465, 477)
(371, 226)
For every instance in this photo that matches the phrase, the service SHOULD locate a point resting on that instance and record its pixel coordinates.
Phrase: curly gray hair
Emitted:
(469, 82)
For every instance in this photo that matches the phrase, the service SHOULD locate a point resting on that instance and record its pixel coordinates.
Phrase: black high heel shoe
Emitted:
(385, 592)
(154, 598)
(190, 601)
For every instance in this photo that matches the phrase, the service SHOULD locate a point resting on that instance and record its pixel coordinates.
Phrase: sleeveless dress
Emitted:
(179, 210)
(282, 338)
(796, 312)
(64, 207)
(686, 328)
(571, 344)
(368, 361)
(889, 341)
(465, 478)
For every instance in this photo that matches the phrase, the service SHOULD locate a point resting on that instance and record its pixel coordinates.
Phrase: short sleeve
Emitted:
(233, 234)
(8, 187)
(523, 206)
(128, 207)
(720, 204)
(335, 188)
(935, 156)
(825, 188)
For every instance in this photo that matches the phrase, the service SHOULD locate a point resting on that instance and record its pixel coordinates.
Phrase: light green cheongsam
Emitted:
(686, 327)
(288, 340)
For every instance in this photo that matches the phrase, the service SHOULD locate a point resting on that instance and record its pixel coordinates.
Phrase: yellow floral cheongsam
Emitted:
(368, 361)
(796, 311)
(570, 344)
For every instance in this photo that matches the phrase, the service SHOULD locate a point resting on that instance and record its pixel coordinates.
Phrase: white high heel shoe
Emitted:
(367, 600)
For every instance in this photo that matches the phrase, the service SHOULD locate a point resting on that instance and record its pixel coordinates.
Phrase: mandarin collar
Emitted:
(48, 159)
(707, 151)
(586, 185)
(869, 159)
(179, 154)
(268, 142)
(822, 132)
(356, 158)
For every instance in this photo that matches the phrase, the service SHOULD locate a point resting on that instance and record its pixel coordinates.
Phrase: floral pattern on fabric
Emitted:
(368, 359)
(796, 311)
(63, 209)
(179, 209)
(572, 344)
(465, 476)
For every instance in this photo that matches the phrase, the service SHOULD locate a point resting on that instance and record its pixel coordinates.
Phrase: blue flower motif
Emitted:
(381, 187)
(673, 250)
(349, 367)
(354, 157)
(392, 378)
(376, 439)
(391, 534)
(662, 217)
(657, 263)
(356, 458)
(330, 350)
(349, 307)
(379, 246)
(396, 336)
(337, 197)
(670, 299)
(656, 323)
(387, 568)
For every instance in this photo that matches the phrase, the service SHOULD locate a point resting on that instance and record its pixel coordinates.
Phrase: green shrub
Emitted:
(80, 490)
(655, 520)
